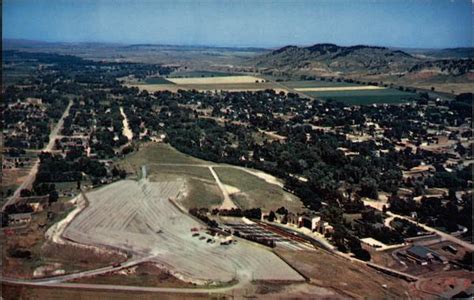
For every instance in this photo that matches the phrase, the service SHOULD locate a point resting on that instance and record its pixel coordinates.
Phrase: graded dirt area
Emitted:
(145, 274)
(348, 278)
(138, 217)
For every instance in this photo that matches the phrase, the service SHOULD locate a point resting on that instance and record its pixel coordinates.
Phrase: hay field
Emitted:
(215, 80)
(209, 87)
(137, 216)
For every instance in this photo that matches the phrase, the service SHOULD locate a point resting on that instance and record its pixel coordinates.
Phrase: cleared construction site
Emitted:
(142, 219)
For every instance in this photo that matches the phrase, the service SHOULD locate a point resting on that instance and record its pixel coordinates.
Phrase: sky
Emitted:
(244, 23)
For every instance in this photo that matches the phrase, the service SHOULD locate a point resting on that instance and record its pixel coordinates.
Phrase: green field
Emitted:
(183, 74)
(315, 83)
(388, 96)
(157, 80)
(159, 153)
(202, 173)
(356, 97)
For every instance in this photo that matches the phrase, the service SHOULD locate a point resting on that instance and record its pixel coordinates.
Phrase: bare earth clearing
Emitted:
(139, 217)
(126, 129)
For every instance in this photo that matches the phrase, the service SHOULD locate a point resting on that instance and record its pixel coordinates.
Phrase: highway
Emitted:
(49, 147)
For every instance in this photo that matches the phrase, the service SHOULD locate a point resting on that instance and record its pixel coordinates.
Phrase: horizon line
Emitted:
(223, 46)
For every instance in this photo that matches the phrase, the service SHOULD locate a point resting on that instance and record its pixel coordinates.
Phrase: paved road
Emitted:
(49, 147)
(443, 235)
(88, 286)
(60, 281)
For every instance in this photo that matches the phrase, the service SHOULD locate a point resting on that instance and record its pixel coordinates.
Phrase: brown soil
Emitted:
(31, 237)
(348, 278)
(145, 274)
(17, 292)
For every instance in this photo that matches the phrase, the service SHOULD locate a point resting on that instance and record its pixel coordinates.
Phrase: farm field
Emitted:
(216, 80)
(208, 87)
(339, 88)
(157, 80)
(349, 93)
(204, 83)
(162, 231)
(315, 84)
(200, 73)
(364, 97)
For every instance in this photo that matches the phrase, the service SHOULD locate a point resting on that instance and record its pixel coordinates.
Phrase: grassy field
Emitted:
(202, 188)
(315, 83)
(256, 192)
(367, 95)
(159, 153)
(157, 80)
(202, 173)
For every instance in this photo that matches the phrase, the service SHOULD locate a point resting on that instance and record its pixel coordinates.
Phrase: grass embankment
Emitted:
(255, 191)
(166, 163)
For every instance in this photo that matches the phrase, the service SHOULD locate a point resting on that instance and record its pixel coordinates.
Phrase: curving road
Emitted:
(443, 235)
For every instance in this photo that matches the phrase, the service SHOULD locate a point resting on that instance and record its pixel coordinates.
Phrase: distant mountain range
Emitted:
(331, 59)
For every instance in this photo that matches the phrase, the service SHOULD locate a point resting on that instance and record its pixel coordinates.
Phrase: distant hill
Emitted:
(454, 53)
(445, 70)
(335, 59)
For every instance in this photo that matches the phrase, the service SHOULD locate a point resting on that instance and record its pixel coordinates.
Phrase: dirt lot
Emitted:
(393, 260)
(45, 255)
(15, 292)
(12, 178)
(444, 284)
(350, 279)
(138, 217)
(145, 274)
